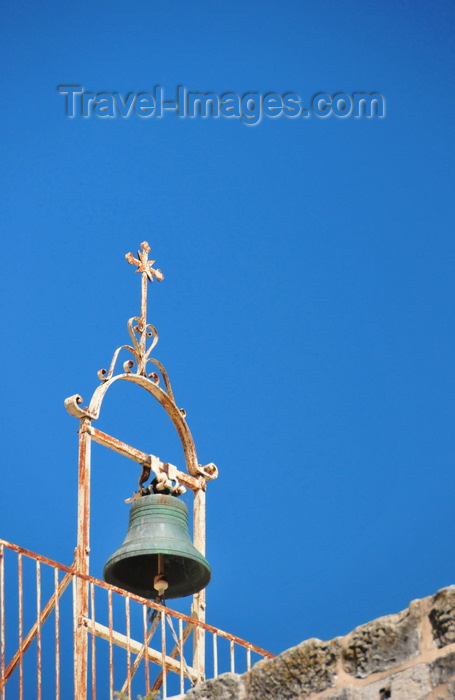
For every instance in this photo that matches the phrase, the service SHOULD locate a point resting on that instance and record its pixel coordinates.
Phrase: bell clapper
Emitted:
(159, 582)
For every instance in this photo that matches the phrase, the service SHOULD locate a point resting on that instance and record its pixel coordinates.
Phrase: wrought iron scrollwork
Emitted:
(144, 336)
(137, 369)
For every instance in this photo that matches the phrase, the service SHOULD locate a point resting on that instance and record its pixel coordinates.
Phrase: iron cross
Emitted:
(144, 264)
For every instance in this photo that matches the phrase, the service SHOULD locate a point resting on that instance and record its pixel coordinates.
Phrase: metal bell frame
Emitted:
(136, 371)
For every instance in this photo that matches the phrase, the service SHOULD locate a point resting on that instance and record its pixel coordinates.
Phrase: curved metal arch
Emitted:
(176, 415)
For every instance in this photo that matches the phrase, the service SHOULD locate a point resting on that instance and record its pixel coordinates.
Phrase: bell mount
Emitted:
(144, 338)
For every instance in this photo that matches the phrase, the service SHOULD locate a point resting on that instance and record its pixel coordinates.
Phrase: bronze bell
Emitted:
(157, 551)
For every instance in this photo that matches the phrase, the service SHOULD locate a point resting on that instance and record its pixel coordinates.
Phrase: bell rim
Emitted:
(148, 592)
(133, 550)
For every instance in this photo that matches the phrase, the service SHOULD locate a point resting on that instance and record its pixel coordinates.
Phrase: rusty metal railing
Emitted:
(136, 646)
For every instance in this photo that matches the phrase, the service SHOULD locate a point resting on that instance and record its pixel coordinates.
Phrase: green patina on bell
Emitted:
(157, 543)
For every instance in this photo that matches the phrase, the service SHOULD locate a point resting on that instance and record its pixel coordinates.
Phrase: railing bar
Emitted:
(140, 654)
(137, 647)
(174, 653)
(38, 629)
(182, 682)
(215, 655)
(57, 636)
(128, 645)
(92, 610)
(146, 656)
(176, 650)
(32, 633)
(163, 652)
(35, 556)
(21, 621)
(2, 616)
(150, 604)
(54, 602)
(111, 647)
(132, 596)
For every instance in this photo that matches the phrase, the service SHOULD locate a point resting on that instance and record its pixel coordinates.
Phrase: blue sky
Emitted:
(306, 318)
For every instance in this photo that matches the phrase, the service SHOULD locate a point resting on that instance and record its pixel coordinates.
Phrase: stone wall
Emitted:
(407, 656)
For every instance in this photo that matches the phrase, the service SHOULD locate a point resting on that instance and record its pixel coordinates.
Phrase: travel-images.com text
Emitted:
(250, 107)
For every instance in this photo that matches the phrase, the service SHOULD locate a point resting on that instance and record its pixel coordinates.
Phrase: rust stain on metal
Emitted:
(140, 654)
(144, 338)
(25, 643)
(2, 618)
(144, 264)
(163, 653)
(180, 651)
(154, 655)
(128, 648)
(176, 651)
(57, 635)
(111, 646)
(38, 630)
(20, 625)
(87, 625)
(92, 610)
(37, 557)
(145, 649)
(155, 381)
(132, 596)
(82, 561)
(143, 458)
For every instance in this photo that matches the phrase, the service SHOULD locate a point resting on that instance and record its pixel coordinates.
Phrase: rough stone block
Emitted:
(343, 694)
(298, 672)
(382, 644)
(442, 669)
(442, 616)
(411, 684)
(228, 686)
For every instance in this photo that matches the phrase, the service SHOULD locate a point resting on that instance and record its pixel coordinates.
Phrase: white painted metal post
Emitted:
(82, 563)
(198, 607)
